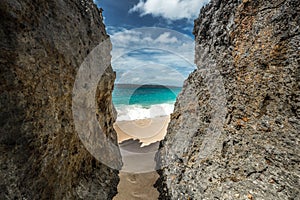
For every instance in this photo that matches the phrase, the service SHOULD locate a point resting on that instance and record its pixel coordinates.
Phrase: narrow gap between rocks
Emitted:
(141, 124)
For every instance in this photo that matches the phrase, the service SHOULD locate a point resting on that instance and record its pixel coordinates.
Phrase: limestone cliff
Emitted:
(43, 43)
(235, 130)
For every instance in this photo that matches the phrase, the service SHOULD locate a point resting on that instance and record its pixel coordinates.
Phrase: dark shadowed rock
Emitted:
(43, 43)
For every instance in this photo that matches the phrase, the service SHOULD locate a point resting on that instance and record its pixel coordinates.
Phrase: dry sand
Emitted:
(139, 142)
(146, 131)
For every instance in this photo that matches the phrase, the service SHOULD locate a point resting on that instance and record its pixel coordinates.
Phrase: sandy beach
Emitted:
(139, 142)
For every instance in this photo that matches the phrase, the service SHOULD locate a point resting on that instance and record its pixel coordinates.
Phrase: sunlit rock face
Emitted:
(234, 133)
(43, 44)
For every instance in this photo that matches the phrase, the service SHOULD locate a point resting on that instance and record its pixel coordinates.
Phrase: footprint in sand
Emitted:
(132, 179)
(138, 195)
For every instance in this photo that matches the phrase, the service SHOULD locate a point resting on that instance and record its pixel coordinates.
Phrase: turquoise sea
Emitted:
(144, 101)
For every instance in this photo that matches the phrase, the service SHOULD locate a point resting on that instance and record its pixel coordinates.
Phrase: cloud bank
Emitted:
(152, 55)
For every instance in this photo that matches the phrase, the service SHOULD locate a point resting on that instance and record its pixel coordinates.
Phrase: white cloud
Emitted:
(166, 38)
(169, 9)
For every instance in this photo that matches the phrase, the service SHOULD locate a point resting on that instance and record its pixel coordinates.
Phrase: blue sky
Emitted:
(152, 39)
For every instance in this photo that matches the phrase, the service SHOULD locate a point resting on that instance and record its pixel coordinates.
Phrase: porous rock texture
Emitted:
(234, 133)
(43, 44)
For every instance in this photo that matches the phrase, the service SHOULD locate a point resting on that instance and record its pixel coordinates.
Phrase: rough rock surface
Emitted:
(234, 133)
(43, 44)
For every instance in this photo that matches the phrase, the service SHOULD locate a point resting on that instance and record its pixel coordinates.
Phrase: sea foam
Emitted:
(136, 111)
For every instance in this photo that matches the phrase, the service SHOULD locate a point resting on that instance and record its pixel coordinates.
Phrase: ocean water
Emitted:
(141, 102)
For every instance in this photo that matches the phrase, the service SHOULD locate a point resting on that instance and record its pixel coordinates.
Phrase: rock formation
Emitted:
(234, 133)
(43, 43)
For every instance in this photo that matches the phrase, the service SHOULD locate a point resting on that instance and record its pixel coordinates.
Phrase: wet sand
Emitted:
(139, 142)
